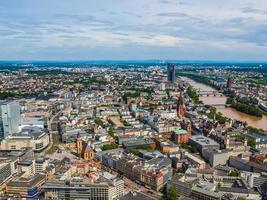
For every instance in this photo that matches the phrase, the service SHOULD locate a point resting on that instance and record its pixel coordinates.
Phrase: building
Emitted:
(216, 157)
(135, 196)
(204, 190)
(181, 136)
(5, 175)
(83, 149)
(182, 186)
(229, 83)
(166, 146)
(202, 142)
(139, 142)
(104, 186)
(171, 73)
(29, 137)
(180, 107)
(26, 167)
(195, 161)
(41, 164)
(9, 118)
(25, 187)
(77, 191)
(153, 173)
(162, 86)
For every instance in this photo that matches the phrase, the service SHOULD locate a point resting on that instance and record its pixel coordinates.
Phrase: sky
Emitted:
(133, 29)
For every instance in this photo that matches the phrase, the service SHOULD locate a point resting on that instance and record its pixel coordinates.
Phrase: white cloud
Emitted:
(168, 24)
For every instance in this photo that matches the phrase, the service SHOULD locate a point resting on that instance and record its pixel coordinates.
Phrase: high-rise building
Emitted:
(171, 73)
(180, 107)
(9, 118)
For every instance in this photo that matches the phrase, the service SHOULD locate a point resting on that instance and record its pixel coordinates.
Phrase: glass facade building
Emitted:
(9, 118)
(171, 73)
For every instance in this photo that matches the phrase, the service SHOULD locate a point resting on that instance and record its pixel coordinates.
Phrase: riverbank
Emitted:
(257, 122)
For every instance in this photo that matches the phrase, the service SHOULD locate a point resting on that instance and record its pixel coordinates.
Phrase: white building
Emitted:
(29, 137)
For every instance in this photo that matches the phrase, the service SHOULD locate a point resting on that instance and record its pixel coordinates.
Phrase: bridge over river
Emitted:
(210, 96)
(207, 93)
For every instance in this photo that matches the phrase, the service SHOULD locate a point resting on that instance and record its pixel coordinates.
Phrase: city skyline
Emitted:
(180, 30)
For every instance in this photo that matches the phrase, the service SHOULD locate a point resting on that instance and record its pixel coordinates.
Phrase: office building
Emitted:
(9, 118)
(201, 142)
(171, 73)
(25, 187)
(107, 187)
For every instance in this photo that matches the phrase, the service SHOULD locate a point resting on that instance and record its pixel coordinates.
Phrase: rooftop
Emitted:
(202, 140)
(180, 131)
(28, 131)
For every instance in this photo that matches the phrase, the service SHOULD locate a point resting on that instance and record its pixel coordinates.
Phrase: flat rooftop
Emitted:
(202, 140)
(180, 131)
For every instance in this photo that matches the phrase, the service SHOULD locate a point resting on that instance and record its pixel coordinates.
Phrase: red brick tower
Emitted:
(180, 107)
(229, 83)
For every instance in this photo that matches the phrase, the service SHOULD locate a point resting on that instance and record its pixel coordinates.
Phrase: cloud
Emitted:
(171, 26)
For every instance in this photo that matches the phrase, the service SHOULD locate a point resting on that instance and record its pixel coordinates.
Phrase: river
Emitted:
(258, 122)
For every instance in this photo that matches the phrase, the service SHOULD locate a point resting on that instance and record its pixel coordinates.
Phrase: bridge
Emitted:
(210, 93)
(218, 105)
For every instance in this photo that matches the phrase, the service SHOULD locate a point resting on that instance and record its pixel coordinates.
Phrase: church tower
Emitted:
(180, 107)
(79, 145)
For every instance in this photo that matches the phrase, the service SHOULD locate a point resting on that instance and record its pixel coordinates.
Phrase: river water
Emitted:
(258, 122)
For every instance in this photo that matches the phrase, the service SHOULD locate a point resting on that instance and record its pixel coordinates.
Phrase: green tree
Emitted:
(99, 122)
(234, 172)
(172, 194)
(251, 143)
(111, 132)
(192, 93)
(109, 146)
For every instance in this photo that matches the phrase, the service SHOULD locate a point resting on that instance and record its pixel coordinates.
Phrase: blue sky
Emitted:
(133, 29)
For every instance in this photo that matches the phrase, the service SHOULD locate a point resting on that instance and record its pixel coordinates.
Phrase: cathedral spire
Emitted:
(180, 107)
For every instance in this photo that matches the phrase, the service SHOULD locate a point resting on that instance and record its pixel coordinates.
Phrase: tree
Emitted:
(251, 143)
(109, 146)
(111, 132)
(234, 172)
(192, 93)
(99, 122)
(241, 198)
(172, 194)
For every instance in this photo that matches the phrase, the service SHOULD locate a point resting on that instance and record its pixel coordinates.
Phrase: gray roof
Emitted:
(135, 196)
(202, 140)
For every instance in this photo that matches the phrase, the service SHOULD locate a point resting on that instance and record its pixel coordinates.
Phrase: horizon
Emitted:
(135, 60)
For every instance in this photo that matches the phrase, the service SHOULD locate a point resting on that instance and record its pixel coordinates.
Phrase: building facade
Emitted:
(171, 73)
(9, 118)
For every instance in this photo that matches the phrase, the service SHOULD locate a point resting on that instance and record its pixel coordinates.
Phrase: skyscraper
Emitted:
(171, 73)
(9, 118)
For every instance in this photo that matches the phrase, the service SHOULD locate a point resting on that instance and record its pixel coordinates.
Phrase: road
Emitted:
(132, 186)
(50, 133)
